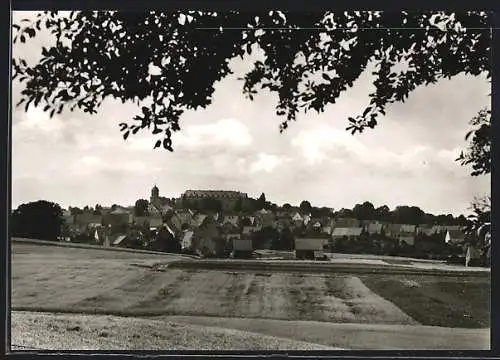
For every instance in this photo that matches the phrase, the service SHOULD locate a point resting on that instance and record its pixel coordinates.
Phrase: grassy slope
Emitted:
(354, 336)
(437, 301)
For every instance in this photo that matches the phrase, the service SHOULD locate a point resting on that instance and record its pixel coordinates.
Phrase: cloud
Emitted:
(267, 163)
(37, 119)
(95, 165)
(229, 132)
(321, 142)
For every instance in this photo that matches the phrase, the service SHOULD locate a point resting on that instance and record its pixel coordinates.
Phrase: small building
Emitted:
(242, 248)
(309, 248)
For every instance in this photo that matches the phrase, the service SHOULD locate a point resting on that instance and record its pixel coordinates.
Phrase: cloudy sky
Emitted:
(234, 144)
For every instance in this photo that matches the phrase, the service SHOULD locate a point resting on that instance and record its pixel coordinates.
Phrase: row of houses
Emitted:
(204, 231)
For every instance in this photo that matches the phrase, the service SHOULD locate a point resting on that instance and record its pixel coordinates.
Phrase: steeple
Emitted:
(155, 194)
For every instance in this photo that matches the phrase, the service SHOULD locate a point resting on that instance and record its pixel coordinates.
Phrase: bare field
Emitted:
(61, 277)
(93, 281)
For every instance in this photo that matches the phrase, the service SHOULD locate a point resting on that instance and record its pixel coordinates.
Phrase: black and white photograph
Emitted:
(250, 181)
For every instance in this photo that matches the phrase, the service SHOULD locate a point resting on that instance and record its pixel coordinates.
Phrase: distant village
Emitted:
(228, 223)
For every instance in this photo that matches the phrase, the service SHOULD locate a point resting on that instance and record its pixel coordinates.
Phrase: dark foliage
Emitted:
(97, 55)
(141, 207)
(37, 220)
(478, 154)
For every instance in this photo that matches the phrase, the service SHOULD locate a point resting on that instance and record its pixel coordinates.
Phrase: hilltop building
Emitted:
(228, 199)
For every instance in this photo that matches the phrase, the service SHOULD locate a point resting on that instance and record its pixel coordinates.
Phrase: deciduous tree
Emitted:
(141, 207)
(165, 63)
(38, 220)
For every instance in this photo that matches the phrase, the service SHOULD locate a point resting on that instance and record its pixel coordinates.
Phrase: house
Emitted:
(199, 219)
(118, 240)
(118, 217)
(69, 219)
(445, 228)
(153, 210)
(247, 232)
(155, 223)
(175, 223)
(393, 230)
(165, 240)
(282, 214)
(141, 221)
(340, 234)
(86, 218)
(266, 217)
(407, 239)
(307, 219)
(231, 219)
(316, 225)
(298, 219)
(425, 229)
(453, 227)
(349, 233)
(187, 239)
(374, 228)
(404, 233)
(228, 229)
(346, 222)
(206, 237)
(454, 237)
(309, 248)
(282, 223)
(242, 248)
(327, 230)
(231, 237)
(407, 229)
(131, 239)
(185, 217)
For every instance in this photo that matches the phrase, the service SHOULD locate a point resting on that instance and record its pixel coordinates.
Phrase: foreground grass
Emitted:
(437, 301)
(90, 332)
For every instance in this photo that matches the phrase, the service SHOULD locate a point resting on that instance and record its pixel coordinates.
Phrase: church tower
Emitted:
(155, 195)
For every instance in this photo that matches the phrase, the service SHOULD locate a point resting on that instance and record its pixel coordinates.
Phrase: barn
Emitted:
(309, 248)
